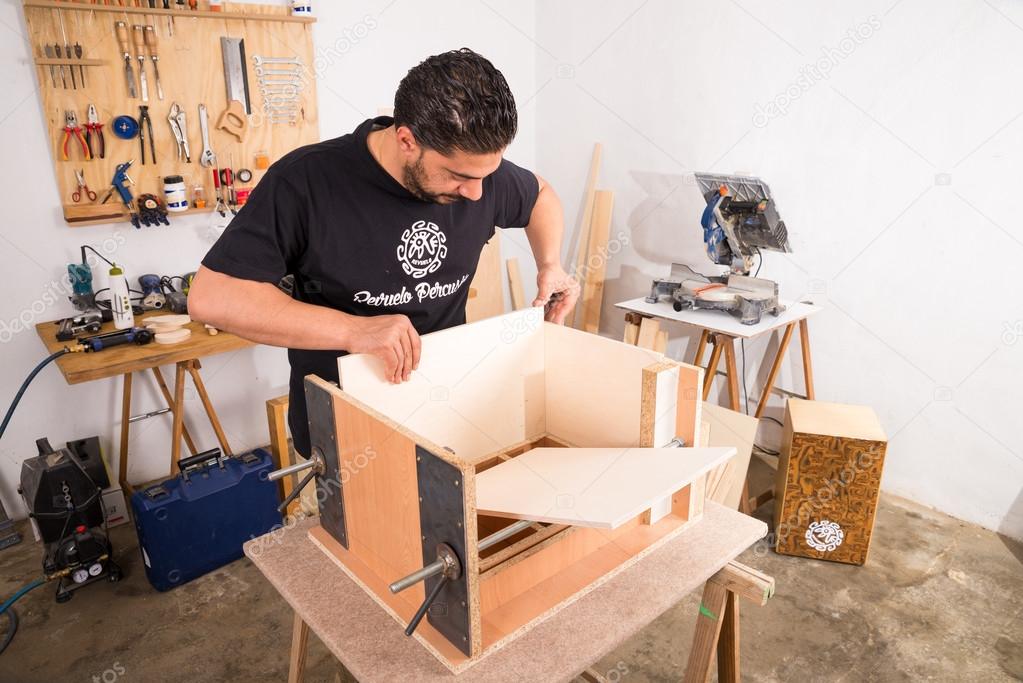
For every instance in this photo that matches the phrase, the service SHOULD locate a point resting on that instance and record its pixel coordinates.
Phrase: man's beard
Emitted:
(413, 177)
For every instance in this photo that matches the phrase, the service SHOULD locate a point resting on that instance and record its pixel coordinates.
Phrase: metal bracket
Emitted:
(442, 521)
(323, 438)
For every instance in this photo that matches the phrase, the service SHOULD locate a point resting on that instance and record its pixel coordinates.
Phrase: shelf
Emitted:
(199, 14)
(103, 214)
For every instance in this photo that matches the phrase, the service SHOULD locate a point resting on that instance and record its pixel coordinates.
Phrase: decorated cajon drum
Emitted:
(829, 478)
(523, 464)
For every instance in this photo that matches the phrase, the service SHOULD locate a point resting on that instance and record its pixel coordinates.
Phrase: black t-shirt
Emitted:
(357, 241)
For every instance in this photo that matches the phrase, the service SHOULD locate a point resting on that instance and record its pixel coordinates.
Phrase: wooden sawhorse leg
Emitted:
(122, 465)
(717, 626)
(192, 368)
(299, 645)
(277, 421)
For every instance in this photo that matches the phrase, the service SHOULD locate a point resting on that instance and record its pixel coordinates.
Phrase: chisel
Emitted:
(138, 35)
(121, 29)
(151, 43)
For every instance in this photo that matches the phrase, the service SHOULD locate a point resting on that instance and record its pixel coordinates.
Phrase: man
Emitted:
(382, 230)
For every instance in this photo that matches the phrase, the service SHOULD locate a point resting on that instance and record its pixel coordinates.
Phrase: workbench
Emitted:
(130, 358)
(371, 646)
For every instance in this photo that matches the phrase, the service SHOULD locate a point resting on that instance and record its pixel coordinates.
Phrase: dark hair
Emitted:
(457, 100)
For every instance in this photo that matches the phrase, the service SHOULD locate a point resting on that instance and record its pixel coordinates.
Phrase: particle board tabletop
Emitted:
(720, 321)
(118, 360)
(373, 647)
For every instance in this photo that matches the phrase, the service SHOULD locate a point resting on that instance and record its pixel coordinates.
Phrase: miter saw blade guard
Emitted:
(739, 220)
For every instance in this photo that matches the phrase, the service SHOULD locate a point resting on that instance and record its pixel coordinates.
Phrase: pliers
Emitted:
(71, 127)
(144, 119)
(82, 188)
(94, 132)
(179, 126)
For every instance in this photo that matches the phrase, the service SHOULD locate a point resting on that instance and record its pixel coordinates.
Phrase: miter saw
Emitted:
(740, 219)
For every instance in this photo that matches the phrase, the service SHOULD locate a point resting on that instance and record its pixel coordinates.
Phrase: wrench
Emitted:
(261, 72)
(259, 60)
(207, 158)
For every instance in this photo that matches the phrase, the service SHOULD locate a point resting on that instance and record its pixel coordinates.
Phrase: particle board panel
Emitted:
(479, 388)
(191, 72)
(590, 487)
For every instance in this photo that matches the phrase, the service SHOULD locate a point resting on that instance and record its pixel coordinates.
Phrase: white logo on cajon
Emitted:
(824, 535)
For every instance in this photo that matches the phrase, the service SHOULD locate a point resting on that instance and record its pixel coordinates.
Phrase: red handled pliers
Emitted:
(71, 127)
(94, 134)
(76, 196)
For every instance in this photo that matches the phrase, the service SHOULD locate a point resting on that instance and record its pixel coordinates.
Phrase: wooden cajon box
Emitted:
(829, 479)
(507, 419)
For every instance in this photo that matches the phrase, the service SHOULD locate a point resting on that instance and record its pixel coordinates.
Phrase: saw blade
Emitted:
(235, 73)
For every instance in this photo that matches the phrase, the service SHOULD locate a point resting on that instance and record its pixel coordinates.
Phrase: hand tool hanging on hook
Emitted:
(67, 50)
(151, 43)
(71, 127)
(94, 134)
(146, 125)
(121, 30)
(138, 37)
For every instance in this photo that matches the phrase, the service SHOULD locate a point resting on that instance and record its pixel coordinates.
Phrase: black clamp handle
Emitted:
(452, 569)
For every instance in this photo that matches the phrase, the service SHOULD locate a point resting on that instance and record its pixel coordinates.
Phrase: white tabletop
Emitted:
(721, 321)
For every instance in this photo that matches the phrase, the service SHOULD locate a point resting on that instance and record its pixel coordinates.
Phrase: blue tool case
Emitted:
(197, 521)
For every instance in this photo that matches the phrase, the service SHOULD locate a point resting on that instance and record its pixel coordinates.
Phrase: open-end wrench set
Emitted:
(131, 99)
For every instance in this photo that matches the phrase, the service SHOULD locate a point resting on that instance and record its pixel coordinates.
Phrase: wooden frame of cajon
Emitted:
(406, 484)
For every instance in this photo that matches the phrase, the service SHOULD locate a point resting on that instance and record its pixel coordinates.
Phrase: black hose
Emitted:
(24, 385)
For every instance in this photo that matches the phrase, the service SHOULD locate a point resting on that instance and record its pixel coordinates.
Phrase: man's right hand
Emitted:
(391, 338)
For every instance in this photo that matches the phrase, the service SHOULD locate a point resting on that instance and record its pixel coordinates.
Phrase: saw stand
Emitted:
(643, 328)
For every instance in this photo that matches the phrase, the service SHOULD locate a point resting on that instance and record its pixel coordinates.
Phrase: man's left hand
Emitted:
(557, 293)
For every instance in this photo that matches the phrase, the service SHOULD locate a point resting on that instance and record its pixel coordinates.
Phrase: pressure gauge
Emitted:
(80, 575)
(95, 569)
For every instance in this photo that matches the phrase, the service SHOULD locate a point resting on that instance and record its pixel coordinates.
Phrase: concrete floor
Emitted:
(939, 600)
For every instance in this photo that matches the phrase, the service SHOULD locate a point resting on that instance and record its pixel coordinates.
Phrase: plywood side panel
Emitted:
(593, 387)
(378, 476)
(479, 388)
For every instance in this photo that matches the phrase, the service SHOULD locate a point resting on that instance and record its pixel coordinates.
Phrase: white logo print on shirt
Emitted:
(422, 249)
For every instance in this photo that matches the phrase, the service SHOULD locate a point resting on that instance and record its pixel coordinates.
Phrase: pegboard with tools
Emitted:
(133, 84)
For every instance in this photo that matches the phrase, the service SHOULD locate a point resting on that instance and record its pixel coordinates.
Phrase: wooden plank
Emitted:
(649, 328)
(277, 423)
(708, 629)
(730, 370)
(479, 387)
(119, 360)
(804, 343)
(122, 462)
(593, 387)
(583, 230)
(689, 406)
(661, 341)
(596, 261)
(518, 296)
(728, 642)
(592, 487)
(631, 335)
(712, 369)
(200, 387)
(179, 410)
(162, 383)
(746, 582)
(489, 298)
(775, 366)
(730, 428)
(267, 30)
(299, 647)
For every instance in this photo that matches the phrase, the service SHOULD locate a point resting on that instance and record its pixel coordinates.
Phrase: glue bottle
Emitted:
(120, 301)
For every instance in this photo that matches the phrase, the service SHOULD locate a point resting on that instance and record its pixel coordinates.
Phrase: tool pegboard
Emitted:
(193, 71)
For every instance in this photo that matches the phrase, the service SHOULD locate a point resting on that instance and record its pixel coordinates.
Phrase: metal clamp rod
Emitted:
(423, 574)
(295, 493)
(504, 533)
(290, 469)
(439, 565)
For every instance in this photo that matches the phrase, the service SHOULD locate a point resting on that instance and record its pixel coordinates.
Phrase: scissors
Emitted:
(77, 194)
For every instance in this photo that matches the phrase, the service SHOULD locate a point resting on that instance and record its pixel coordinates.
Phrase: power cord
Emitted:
(28, 380)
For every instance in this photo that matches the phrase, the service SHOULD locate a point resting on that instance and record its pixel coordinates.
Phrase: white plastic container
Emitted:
(120, 299)
(174, 193)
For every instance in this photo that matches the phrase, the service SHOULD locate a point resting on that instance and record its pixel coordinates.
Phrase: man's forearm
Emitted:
(546, 226)
(260, 312)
